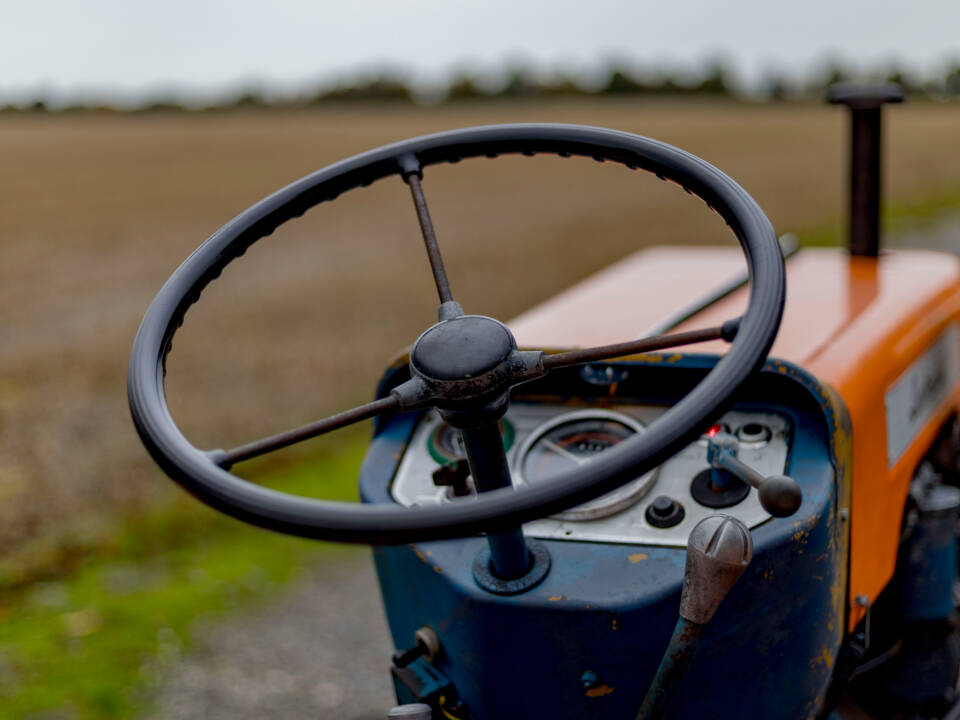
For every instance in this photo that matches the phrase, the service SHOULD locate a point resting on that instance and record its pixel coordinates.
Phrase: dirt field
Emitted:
(95, 212)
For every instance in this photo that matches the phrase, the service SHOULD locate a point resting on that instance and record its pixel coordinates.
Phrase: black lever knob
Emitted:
(405, 657)
(456, 476)
(426, 644)
(780, 495)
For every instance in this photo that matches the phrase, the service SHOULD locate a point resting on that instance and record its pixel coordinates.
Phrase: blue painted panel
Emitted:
(610, 609)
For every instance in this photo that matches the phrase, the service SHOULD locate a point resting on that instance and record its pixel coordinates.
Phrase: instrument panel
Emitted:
(541, 440)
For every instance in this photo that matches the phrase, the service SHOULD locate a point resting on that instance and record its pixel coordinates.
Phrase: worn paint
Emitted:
(637, 557)
(825, 658)
(839, 424)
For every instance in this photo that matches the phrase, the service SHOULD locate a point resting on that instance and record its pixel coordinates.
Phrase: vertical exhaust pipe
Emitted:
(865, 103)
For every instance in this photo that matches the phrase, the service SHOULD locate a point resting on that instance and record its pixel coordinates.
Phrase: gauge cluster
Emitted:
(542, 440)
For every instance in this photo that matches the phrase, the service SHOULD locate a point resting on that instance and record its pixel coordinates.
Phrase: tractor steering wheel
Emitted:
(465, 365)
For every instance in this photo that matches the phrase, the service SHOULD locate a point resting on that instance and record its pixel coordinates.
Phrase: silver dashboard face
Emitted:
(619, 516)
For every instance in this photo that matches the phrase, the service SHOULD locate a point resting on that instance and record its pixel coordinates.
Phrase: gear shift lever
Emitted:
(718, 551)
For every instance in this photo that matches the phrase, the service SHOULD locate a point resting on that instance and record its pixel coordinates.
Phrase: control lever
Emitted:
(780, 495)
(426, 644)
(718, 551)
(455, 476)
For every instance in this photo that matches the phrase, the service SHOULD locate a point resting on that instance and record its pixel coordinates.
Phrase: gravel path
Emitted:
(319, 651)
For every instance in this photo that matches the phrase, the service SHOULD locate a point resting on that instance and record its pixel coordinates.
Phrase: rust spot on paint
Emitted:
(599, 691)
(436, 569)
(825, 657)
(637, 557)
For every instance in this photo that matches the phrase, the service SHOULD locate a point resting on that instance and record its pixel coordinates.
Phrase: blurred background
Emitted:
(128, 134)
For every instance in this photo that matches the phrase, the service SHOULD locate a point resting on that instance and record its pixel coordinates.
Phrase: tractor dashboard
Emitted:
(660, 507)
(613, 577)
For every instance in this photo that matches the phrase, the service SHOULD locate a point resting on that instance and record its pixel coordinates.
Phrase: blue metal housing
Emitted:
(607, 611)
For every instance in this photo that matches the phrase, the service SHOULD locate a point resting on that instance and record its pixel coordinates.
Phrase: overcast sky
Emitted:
(70, 48)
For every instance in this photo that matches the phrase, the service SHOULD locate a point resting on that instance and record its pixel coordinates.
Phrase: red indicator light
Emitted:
(714, 430)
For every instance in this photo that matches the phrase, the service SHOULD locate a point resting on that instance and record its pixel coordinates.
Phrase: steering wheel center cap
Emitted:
(462, 348)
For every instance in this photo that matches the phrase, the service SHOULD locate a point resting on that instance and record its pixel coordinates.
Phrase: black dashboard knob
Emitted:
(664, 512)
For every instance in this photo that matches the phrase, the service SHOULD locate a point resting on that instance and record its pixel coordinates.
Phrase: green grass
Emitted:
(90, 643)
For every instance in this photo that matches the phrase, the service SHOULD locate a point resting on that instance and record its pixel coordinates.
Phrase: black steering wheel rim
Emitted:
(501, 509)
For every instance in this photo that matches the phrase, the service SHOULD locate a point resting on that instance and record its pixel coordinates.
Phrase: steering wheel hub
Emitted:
(463, 348)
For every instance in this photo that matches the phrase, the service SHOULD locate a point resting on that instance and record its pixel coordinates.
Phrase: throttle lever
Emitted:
(719, 549)
(780, 495)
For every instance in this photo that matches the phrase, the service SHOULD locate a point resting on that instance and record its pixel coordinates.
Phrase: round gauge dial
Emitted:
(446, 445)
(575, 439)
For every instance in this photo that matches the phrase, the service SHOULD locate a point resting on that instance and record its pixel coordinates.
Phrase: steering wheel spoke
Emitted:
(412, 172)
(228, 458)
(727, 331)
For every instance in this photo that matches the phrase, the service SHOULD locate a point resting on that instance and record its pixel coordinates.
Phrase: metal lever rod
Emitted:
(719, 549)
(780, 495)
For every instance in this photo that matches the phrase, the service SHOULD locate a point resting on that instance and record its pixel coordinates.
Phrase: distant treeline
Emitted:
(715, 81)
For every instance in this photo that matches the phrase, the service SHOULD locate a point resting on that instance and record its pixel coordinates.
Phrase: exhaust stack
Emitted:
(865, 103)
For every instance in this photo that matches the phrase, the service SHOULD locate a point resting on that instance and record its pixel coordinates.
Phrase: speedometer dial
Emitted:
(575, 439)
